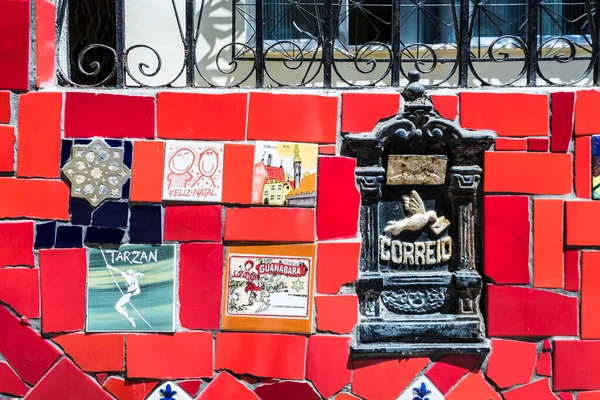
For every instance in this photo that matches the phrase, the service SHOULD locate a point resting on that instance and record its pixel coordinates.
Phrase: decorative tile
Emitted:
(102, 236)
(281, 356)
(7, 148)
(169, 390)
(269, 288)
(337, 265)
(473, 387)
(385, 379)
(421, 389)
(14, 53)
(193, 171)
(20, 288)
(287, 390)
(572, 278)
(96, 172)
(337, 314)
(362, 111)
(539, 390)
(511, 362)
(254, 224)
(45, 233)
(16, 243)
(131, 289)
(95, 353)
(10, 383)
(590, 295)
(145, 224)
(548, 254)
(111, 214)
(81, 211)
(327, 365)
(69, 237)
(128, 389)
(65, 151)
(563, 107)
(285, 174)
(238, 170)
(34, 198)
(576, 365)
(147, 171)
(583, 167)
(194, 223)
(226, 385)
(143, 361)
(446, 372)
(5, 107)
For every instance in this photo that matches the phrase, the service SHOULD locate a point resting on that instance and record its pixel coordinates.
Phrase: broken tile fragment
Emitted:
(225, 386)
(511, 362)
(104, 352)
(327, 364)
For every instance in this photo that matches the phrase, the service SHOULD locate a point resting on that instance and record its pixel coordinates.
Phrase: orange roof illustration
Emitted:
(273, 173)
(308, 185)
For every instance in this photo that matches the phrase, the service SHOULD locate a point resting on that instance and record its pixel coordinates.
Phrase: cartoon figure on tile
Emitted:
(179, 165)
(251, 278)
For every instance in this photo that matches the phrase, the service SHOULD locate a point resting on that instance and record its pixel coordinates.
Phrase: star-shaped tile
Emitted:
(96, 172)
(297, 285)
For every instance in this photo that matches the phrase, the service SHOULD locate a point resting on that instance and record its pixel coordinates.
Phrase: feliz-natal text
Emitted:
(132, 257)
(415, 253)
(204, 192)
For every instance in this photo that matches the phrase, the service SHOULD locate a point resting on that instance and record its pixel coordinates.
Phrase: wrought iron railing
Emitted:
(330, 43)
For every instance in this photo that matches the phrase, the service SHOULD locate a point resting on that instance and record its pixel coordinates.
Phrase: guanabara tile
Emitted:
(421, 389)
(169, 390)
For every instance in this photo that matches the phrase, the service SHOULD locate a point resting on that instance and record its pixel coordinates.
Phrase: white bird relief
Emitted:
(417, 218)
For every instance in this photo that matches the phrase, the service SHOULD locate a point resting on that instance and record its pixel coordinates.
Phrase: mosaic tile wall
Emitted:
(139, 233)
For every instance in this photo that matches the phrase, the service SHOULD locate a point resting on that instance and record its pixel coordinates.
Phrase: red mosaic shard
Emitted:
(287, 391)
(569, 396)
(473, 387)
(576, 365)
(446, 105)
(345, 396)
(226, 387)
(20, 288)
(445, 373)
(10, 383)
(583, 167)
(506, 226)
(101, 377)
(45, 42)
(14, 49)
(590, 295)
(538, 144)
(190, 386)
(337, 265)
(511, 362)
(7, 148)
(282, 356)
(129, 390)
(578, 230)
(505, 144)
(572, 270)
(255, 224)
(65, 378)
(362, 111)
(327, 364)
(583, 396)
(544, 364)
(563, 107)
(34, 198)
(337, 219)
(16, 243)
(518, 311)
(337, 314)
(384, 379)
(193, 223)
(200, 271)
(24, 349)
(5, 107)
(538, 390)
(102, 352)
(63, 306)
(587, 106)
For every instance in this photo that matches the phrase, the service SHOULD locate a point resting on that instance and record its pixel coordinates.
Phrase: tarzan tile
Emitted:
(7, 148)
(286, 390)
(337, 314)
(473, 387)
(579, 231)
(10, 383)
(590, 295)
(583, 168)
(538, 144)
(225, 386)
(505, 144)
(14, 53)
(20, 288)
(327, 363)
(255, 224)
(16, 243)
(145, 224)
(193, 223)
(362, 111)
(446, 372)
(384, 379)
(45, 42)
(45, 233)
(104, 352)
(337, 265)
(572, 277)
(147, 171)
(563, 107)
(576, 365)
(5, 107)
(69, 237)
(238, 171)
(511, 362)
(446, 105)
(539, 389)
(548, 256)
(129, 390)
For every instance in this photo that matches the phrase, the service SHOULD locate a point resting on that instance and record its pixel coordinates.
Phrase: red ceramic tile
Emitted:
(87, 115)
(544, 364)
(45, 42)
(538, 144)
(194, 352)
(63, 306)
(538, 390)
(384, 379)
(327, 363)
(579, 230)
(318, 114)
(345, 396)
(548, 255)
(362, 111)
(101, 378)
(147, 171)
(338, 314)
(16, 243)
(5, 107)
(281, 356)
(563, 106)
(576, 365)
(226, 387)
(445, 373)
(532, 173)
(572, 270)
(238, 170)
(504, 144)
(24, 349)
(587, 106)
(200, 271)
(7, 148)
(201, 116)
(511, 362)
(586, 396)
(446, 105)
(338, 199)
(583, 167)
(569, 396)
(287, 391)
(65, 379)
(518, 311)
(327, 149)
(193, 223)
(20, 288)
(337, 265)
(101, 352)
(14, 49)
(473, 387)
(479, 110)
(590, 295)
(129, 390)
(34, 198)
(546, 345)
(506, 226)
(10, 383)
(256, 224)
(191, 387)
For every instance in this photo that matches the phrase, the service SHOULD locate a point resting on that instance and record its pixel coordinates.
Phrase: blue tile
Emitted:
(111, 214)
(45, 232)
(68, 237)
(104, 235)
(596, 145)
(128, 153)
(65, 151)
(83, 141)
(81, 211)
(125, 191)
(114, 142)
(145, 225)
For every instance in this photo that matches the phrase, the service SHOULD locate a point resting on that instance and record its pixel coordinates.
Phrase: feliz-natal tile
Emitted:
(131, 289)
(193, 171)
(422, 389)
(269, 288)
(596, 167)
(169, 390)
(285, 174)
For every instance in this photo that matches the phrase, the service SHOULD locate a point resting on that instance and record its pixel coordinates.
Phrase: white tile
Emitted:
(180, 395)
(422, 389)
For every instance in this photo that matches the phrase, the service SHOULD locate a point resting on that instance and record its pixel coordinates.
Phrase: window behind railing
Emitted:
(327, 43)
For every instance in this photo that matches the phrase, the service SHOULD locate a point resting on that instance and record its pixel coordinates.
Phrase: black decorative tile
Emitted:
(128, 153)
(65, 151)
(145, 225)
(68, 237)
(111, 214)
(81, 211)
(83, 141)
(104, 235)
(114, 142)
(125, 191)
(45, 234)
